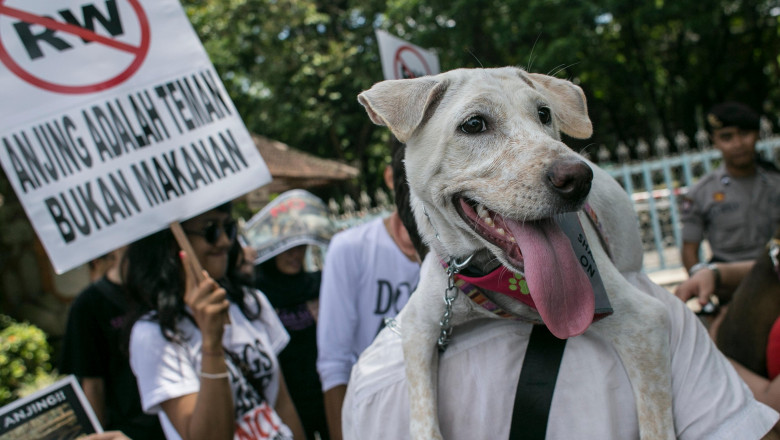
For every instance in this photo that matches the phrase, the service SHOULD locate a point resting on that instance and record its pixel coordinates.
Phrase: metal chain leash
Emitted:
(450, 294)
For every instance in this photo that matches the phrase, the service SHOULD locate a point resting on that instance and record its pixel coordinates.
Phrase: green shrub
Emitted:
(24, 359)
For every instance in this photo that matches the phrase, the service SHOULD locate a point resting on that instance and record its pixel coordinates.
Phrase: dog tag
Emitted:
(570, 225)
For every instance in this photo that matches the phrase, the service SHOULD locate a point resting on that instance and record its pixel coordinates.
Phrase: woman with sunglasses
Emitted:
(205, 353)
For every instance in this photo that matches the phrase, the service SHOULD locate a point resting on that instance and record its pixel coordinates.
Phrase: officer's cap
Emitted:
(732, 114)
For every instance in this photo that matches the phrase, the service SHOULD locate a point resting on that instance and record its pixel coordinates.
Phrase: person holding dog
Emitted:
(493, 351)
(476, 374)
(736, 206)
(478, 138)
(370, 271)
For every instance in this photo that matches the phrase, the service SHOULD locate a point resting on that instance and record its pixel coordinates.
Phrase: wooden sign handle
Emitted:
(185, 245)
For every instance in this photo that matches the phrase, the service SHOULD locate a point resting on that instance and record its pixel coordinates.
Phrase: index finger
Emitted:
(192, 277)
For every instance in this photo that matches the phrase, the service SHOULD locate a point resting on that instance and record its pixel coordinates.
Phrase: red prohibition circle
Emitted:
(140, 51)
(397, 61)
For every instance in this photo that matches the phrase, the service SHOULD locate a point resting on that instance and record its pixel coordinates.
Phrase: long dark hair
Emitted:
(401, 196)
(154, 282)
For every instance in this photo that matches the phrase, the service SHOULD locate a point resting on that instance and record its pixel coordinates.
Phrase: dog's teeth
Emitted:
(512, 239)
(482, 211)
(489, 222)
(500, 231)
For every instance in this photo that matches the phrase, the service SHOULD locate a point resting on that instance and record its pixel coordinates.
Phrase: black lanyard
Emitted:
(536, 385)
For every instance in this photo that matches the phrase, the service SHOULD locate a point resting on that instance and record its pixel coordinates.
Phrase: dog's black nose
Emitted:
(570, 178)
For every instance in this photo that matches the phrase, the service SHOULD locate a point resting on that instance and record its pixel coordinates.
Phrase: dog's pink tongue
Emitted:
(559, 287)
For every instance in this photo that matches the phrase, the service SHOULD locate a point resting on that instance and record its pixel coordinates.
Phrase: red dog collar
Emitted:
(503, 280)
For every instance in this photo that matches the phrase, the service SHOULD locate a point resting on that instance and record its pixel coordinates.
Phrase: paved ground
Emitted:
(668, 278)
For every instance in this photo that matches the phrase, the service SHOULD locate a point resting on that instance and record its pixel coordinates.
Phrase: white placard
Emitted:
(401, 59)
(114, 123)
(60, 410)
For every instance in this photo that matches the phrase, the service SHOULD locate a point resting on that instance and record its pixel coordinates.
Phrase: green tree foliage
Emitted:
(294, 67)
(648, 68)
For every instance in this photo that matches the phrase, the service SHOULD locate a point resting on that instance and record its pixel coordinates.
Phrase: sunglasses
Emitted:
(213, 231)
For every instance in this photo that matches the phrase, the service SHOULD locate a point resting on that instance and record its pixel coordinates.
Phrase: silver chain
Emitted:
(450, 294)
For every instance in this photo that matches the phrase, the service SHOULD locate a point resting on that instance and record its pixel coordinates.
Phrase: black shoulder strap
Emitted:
(536, 385)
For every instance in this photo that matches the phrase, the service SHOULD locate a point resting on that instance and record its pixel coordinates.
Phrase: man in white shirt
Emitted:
(476, 378)
(370, 271)
(593, 399)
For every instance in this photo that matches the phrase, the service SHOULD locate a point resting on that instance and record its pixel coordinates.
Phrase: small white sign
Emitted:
(60, 410)
(401, 59)
(114, 123)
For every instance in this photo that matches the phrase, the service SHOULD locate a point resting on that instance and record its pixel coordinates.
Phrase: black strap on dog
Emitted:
(536, 385)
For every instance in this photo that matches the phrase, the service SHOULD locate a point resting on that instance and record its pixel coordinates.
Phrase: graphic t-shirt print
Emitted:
(251, 370)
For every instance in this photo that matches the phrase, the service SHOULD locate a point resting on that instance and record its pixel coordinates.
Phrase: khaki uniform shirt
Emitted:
(736, 215)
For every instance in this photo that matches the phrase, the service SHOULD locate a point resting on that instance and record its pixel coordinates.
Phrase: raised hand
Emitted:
(208, 302)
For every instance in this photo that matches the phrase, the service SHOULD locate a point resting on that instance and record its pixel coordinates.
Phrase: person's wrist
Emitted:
(716, 273)
(209, 346)
(712, 267)
(697, 267)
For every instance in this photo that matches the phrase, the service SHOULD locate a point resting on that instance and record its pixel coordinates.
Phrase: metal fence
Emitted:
(351, 213)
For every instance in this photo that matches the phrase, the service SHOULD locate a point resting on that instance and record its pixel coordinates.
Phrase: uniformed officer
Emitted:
(737, 206)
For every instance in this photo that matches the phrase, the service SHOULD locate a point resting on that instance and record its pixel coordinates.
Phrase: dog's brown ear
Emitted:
(403, 104)
(571, 108)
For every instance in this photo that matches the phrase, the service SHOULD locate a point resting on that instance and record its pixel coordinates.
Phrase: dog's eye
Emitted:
(544, 115)
(473, 125)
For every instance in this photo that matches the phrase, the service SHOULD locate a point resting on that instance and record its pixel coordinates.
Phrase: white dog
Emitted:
(488, 176)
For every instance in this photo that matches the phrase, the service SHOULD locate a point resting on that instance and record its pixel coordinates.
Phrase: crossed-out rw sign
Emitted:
(114, 123)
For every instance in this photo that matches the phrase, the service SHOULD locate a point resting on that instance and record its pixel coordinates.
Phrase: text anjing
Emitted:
(55, 149)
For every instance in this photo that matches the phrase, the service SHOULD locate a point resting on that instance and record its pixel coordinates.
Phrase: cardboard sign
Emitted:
(570, 224)
(401, 60)
(295, 218)
(58, 411)
(114, 123)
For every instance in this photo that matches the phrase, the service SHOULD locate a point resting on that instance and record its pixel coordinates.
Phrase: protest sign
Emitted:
(295, 218)
(58, 411)
(114, 123)
(401, 59)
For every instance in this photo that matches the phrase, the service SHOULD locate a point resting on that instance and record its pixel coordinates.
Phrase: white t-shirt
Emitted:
(166, 370)
(593, 399)
(366, 278)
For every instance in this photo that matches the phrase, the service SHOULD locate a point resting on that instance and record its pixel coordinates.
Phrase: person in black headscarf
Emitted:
(294, 293)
